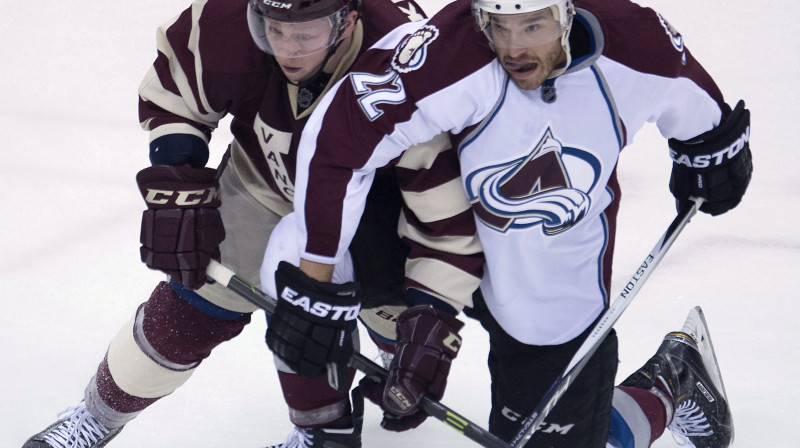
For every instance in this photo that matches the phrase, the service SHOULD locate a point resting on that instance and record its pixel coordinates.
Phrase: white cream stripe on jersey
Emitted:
(422, 156)
(458, 285)
(453, 244)
(438, 203)
(184, 104)
(142, 378)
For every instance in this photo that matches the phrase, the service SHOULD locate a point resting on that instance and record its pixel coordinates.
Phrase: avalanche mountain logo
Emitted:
(536, 189)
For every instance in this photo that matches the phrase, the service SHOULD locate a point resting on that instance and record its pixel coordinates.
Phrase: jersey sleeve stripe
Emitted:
(442, 280)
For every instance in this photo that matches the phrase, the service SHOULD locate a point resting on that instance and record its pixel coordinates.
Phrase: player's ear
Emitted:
(350, 26)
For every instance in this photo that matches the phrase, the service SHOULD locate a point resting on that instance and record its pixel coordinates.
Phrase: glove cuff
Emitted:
(717, 147)
(430, 327)
(323, 303)
(170, 187)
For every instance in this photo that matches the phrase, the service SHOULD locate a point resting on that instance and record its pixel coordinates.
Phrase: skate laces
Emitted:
(298, 438)
(77, 430)
(689, 421)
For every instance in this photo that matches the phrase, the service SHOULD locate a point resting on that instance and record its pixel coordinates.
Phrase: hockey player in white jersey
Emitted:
(539, 99)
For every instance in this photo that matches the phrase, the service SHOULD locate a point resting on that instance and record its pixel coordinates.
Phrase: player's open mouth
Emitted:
(520, 70)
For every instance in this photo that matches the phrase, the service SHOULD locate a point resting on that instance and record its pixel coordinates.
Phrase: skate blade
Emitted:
(697, 328)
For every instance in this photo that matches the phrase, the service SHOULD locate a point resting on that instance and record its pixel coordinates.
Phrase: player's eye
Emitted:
(530, 29)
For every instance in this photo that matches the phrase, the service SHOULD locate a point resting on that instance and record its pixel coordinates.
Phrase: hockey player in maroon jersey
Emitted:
(267, 64)
(539, 98)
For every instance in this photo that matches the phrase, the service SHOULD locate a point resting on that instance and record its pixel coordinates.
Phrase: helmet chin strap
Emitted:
(331, 50)
(309, 89)
(564, 44)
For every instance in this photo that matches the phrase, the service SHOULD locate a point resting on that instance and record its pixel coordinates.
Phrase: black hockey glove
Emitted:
(427, 343)
(182, 227)
(313, 323)
(715, 166)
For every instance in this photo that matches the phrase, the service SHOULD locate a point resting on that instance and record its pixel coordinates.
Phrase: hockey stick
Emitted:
(603, 326)
(435, 409)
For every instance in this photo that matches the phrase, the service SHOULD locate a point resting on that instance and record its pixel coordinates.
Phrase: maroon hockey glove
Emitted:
(373, 391)
(427, 343)
(715, 166)
(182, 227)
(313, 323)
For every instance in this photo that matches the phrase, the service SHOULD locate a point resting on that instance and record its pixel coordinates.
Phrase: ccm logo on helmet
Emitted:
(321, 309)
(715, 159)
(186, 198)
(275, 4)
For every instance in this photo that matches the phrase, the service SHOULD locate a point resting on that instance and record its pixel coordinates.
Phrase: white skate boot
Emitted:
(75, 428)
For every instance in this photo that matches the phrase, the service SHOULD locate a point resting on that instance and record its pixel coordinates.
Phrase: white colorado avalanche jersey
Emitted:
(539, 175)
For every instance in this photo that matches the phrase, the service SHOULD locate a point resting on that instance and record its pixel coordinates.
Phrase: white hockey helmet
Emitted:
(562, 10)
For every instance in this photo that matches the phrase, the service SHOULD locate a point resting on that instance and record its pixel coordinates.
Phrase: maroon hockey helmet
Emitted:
(296, 28)
(300, 10)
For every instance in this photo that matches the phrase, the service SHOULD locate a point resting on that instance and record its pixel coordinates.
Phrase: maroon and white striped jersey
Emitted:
(208, 67)
(539, 174)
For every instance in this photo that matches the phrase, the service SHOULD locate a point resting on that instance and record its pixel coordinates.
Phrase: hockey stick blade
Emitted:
(603, 326)
(435, 409)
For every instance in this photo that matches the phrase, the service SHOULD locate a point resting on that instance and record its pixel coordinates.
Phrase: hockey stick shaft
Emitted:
(604, 325)
(435, 409)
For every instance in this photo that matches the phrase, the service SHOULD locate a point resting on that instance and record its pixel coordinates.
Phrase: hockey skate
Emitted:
(686, 366)
(75, 428)
(329, 438)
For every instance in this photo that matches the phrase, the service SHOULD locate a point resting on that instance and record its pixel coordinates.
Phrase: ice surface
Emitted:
(70, 273)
